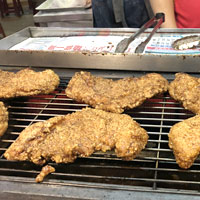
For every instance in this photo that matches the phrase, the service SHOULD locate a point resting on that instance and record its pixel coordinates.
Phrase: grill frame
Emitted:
(159, 150)
(88, 60)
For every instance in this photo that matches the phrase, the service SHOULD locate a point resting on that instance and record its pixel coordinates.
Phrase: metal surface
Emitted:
(63, 5)
(43, 17)
(154, 174)
(64, 13)
(62, 59)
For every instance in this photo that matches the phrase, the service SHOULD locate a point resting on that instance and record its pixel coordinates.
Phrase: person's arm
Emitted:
(167, 7)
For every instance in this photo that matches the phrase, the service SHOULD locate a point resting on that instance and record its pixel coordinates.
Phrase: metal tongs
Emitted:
(156, 21)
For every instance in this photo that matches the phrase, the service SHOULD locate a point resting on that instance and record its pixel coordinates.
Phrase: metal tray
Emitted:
(89, 60)
(64, 16)
(62, 5)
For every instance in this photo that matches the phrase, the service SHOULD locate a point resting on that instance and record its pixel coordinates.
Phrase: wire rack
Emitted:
(153, 169)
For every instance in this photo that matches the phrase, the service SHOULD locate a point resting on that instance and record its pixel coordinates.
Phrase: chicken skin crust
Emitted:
(27, 83)
(186, 89)
(115, 96)
(184, 139)
(63, 138)
(3, 119)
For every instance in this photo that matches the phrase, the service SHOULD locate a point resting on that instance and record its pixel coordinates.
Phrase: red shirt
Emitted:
(187, 13)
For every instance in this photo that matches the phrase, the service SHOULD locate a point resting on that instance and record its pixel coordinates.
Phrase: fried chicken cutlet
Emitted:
(3, 119)
(63, 138)
(27, 82)
(186, 89)
(184, 139)
(44, 172)
(114, 96)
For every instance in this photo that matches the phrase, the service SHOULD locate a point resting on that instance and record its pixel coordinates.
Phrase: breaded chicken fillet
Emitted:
(27, 82)
(3, 119)
(63, 138)
(186, 89)
(115, 96)
(184, 139)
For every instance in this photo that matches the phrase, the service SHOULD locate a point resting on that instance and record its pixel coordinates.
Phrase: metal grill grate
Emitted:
(154, 169)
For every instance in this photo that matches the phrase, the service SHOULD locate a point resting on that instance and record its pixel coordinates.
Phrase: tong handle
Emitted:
(148, 24)
(160, 16)
(123, 45)
(158, 19)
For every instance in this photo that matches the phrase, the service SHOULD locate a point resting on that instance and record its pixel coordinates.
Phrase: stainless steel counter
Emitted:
(64, 13)
(76, 18)
(91, 60)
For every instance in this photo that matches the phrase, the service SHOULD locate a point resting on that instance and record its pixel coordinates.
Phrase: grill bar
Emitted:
(154, 168)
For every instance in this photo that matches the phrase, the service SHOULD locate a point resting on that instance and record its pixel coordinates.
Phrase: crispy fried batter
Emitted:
(63, 138)
(186, 89)
(115, 96)
(27, 82)
(3, 119)
(44, 172)
(184, 139)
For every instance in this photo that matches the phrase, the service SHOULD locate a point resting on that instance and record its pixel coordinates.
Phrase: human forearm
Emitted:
(167, 7)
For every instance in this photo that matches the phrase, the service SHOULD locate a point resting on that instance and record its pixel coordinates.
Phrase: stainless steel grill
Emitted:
(153, 170)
